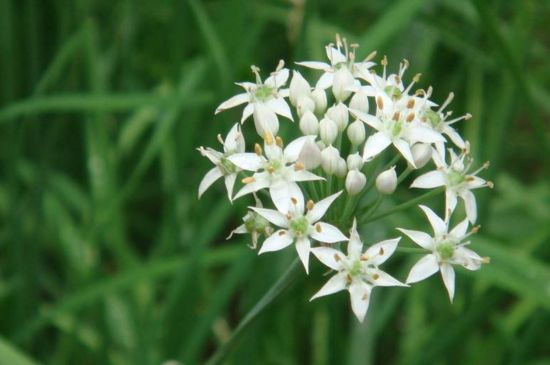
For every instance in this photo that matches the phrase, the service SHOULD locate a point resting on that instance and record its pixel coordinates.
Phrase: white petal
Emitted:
(239, 230)
(303, 246)
(475, 182)
(233, 102)
(335, 284)
(325, 81)
(429, 180)
(424, 135)
(367, 118)
(247, 112)
(321, 207)
(375, 144)
(284, 193)
(460, 229)
(425, 267)
(272, 215)
(405, 150)
(424, 240)
(324, 232)
(229, 184)
(247, 161)
(385, 279)
(334, 55)
(355, 246)
(293, 149)
(279, 106)
(277, 241)
(277, 79)
(467, 258)
(314, 64)
(329, 257)
(234, 141)
(272, 151)
(448, 275)
(213, 155)
(450, 202)
(304, 175)
(381, 251)
(470, 205)
(261, 182)
(360, 296)
(438, 225)
(454, 136)
(208, 179)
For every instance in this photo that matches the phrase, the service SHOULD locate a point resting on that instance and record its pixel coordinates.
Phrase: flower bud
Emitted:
(355, 182)
(304, 104)
(309, 125)
(329, 159)
(341, 168)
(422, 153)
(265, 120)
(339, 114)
(355, 162)
(321, 145)
(320, 99)
(298, 87)
(386, 182)
(359, 101)
(310, 155)
(328, 131)
(343, 80)
(356, 133)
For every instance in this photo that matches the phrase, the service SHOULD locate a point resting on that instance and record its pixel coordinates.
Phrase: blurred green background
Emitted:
(107, 256)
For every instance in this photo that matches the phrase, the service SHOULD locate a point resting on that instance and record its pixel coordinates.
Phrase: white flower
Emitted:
(300, 227)
(447, 249)
(254, 224)
(386, 181)
(357, 272)
(394, 126)
(277, 170)
(264, 100)
(457, 180)
(355, 182)
(234, 143)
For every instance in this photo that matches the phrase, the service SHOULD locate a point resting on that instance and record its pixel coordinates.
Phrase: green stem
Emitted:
(372, 209)
(411, 250)
(284, 281)
(406, 205)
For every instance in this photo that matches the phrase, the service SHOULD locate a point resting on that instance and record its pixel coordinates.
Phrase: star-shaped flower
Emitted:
(233, 143)
(457, 180)
(277, 170)
(300, 225)
(447, 249)
(357, 272)
(254, 224)
(264, 100)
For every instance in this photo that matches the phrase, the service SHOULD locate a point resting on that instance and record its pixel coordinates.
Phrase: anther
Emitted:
(258, 149)
(384, 61)
(298, 166)
(248, 180)
(279, 141)
(364, 258)
(337, 257)
(370, 56)
(268, 138)
(271, 169)
(416, 77)
(220, 139)
(410, 117)
(318, 227)
(282, 233)
(376, 276)
(379, 102)
(410, 103)
(365, 296)
(294, 200)
(396, 116)
(310, 204)
(381, 251)
(490, 184)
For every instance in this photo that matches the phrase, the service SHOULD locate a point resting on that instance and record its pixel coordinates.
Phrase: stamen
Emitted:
(279, 141)
(294, 200)
(447, 101)
(310, 204)
(270, 169)
(298, 166)
(379, 102)
(396, 116)
(318, 227)
(256, 71)
(381, 251)
(410, 117)
(268, 138)
(220, 139)
(258, 149)
(410, 103)
(365, 296)
(384, 63)
(364, 258)
(282, 233)
(376, 276)
(370, 56)
(248, 180)
(337, 257)
(485, 260)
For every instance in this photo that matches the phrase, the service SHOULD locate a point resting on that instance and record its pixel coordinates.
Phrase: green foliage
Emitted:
(107, 256)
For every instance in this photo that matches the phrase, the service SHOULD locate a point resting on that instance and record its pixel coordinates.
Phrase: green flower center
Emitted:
(263, 93)
(456, 178)
(227, 166)
(396, 128)
(393, 92)
(446, 250)
(256, 223)
(356, 268)
(433, 118)
(299, 226)
(274, 165)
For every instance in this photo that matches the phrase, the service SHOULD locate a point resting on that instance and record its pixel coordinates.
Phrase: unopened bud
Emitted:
(304, 104)
(329, 159)
(359, 101)
(341, 168)
(355, 182)
(339, 114)
(422, 153)
(328, 131)
(386, 182)
(342, 82)
(310, 155)
(309, 125)
(320, 99)
(298, 87)
(265, 120)
(355, 162)
(356, 133)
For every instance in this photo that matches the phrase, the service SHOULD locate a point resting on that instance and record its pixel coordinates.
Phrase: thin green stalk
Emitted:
(276, 290)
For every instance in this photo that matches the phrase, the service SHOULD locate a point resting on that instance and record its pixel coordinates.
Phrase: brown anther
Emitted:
(268, 138)
(490, 184)
(410, 103)
(396, 116)
(248, 180)
(376, 277)
(288, 216)
(476, 229)
(270, 169)
(298, 166)
(364, 258)
(379, 102)
(384, 61)
(365, 296)
(279, 141)
(318, 228)
(310, 204)
(397, 79)
(469, 178)
(282, 233)
(381, 251)
(337, 257)
(370, 56)
(410, 117)
(485, 260)
(258, 149)
(294, 200)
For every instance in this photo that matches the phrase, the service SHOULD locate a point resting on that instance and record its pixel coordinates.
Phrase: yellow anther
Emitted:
(364, 258)
(365, 296)
(410, 103)
(375, 277)
(270, 169)
(258, 149)
(485, 260)
(268, 138)
(490, 184)
(318, 227)
(379, 102)
(396, 116)
(294, 201)
(279, 141)
(337, 257)
(416, 77)
(310, 204)
(298, 166)
(282, 233)
(248, 180)
(384, 61)
(410, 117)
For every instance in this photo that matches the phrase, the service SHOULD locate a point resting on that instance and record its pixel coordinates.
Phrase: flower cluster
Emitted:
(358, 129)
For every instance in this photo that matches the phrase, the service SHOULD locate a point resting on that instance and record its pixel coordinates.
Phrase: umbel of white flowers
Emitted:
(357, 129)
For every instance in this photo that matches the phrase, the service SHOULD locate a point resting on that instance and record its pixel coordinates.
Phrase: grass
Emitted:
(107, 256)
